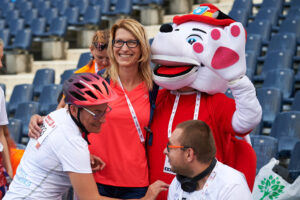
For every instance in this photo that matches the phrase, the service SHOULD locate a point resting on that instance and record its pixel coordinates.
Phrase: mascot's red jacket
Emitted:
(198, 58)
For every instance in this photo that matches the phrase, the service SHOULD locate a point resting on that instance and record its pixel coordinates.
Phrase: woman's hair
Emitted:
(137, 30)
(99, 41)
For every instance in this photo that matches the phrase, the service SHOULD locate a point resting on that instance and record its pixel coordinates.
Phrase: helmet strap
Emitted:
(80, 125)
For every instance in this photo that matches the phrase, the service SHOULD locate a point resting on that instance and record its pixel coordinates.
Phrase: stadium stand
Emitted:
(84, 59)
(15, 129)
(48, 97)
(41, 78)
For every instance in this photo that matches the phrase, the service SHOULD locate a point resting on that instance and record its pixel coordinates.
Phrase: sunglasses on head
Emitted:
(100, 46)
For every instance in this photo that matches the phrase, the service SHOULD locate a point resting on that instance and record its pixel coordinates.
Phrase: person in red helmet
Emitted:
(60, 158)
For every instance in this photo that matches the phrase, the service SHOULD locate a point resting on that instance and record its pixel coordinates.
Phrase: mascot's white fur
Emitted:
(204, 51)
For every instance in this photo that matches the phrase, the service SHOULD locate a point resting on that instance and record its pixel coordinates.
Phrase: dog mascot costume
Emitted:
(198, 58)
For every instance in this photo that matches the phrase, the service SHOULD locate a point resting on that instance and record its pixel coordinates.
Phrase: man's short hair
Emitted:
(197, 135)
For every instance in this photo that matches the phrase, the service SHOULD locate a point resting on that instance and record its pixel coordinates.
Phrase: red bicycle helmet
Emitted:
(87, 89)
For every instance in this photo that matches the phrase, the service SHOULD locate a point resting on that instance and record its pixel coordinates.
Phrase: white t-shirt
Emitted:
(3, 114)
(42, 173)
(224, 183)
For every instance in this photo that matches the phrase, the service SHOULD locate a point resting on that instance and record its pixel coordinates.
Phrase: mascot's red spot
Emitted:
(215, 34)
(224, 57)
(235, 31)
(198, 47)
(172, 70)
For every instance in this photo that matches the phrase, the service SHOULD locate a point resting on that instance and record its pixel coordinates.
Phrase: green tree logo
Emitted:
(271, 188)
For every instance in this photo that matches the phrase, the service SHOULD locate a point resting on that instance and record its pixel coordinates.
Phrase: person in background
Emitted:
(123, 135)
(5, 164)
(98, 50)
(60, 157)
(191, 151)
(99, 60)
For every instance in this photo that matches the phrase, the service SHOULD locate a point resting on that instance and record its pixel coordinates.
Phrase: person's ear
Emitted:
(73, 110)
(190, 154)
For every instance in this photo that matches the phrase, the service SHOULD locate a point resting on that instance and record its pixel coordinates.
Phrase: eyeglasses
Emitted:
(100, 46)
(99, 114)
(175, 147)
(129, 43)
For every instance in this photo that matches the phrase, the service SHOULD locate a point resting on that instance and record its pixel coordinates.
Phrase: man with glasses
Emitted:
(60, 158)
(191, 151)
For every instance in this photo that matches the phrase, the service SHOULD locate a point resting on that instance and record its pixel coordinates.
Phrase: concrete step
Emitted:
(74, 54)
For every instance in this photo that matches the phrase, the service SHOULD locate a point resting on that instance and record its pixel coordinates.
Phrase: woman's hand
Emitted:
(34, 130)
(96, 163)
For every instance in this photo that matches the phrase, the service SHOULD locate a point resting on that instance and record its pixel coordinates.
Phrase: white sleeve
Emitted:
(74, 155)
(248, 110)
(3, 114)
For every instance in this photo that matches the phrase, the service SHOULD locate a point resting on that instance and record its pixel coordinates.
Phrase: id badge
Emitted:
(167, 167)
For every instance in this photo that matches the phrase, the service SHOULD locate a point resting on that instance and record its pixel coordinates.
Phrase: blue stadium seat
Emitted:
(271, 14)
(50, 14)
(293, 13)
(254, 43)
(295, 4)
(92, 15)
(2, 24)
(282, 79)
(38, 26)
(61, 5)
(276, 60)
(121, 8)
(5, 36)
(282, 42)
(290, 26)
(58, 28)
(3, 87)
(72, 15)
(22, 41)
(42, 6)
(296, 102)
(24, 7)
(5, 8)
(11, 15)
(262, 28)
(286, 128)
(84, 59)
(245, 5)
(30, 15)
(24, 112)
(81, 4)
(277, 4)
(51, 107)
(239, 15)
(270, 100)
(15, 129)
(104, 4)
(21, 93)
(48, 96)
(251, 61)
(66, 74)
(42, 77)
(294, 164)
(266, 147)
(16, 25)
(228, 93)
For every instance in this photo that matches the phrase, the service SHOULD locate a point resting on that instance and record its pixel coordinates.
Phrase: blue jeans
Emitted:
(122, 192)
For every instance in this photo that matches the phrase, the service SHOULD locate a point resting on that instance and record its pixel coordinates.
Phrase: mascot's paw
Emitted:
(224, 51)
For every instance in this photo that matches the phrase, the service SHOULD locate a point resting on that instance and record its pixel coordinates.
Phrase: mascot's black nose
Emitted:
(165, 28)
